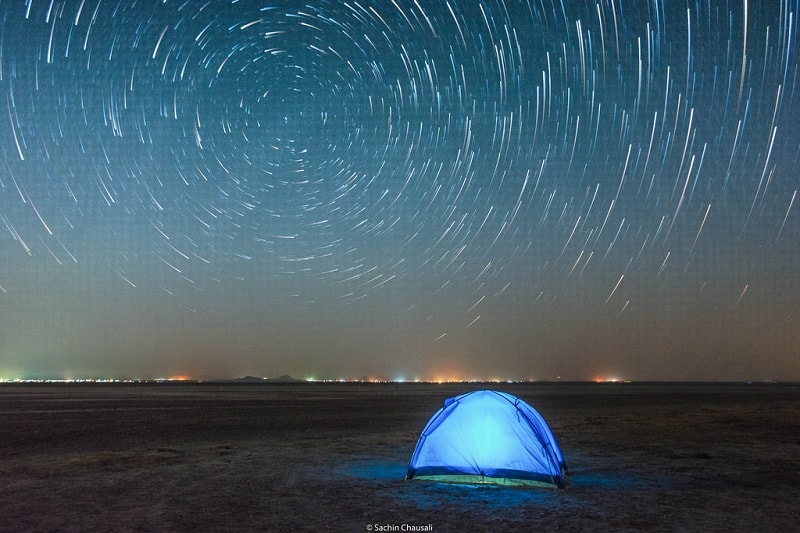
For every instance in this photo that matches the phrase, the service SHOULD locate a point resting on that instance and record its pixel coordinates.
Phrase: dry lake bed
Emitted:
(333, 456)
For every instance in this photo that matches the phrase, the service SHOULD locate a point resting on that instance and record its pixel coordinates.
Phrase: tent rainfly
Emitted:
(487, 436)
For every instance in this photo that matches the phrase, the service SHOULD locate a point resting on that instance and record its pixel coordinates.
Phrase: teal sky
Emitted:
(432, 190)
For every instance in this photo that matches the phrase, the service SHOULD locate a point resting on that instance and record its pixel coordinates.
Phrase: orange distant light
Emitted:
(611, 379)
(179, 378)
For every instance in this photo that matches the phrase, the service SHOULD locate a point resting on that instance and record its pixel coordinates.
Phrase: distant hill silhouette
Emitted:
(286, 378)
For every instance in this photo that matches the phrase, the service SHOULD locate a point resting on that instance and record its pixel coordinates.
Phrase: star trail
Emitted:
(491, 189)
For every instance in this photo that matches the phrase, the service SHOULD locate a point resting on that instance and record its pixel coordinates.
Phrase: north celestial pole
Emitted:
(483, 189)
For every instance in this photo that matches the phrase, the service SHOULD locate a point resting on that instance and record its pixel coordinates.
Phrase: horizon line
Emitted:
(289, 380)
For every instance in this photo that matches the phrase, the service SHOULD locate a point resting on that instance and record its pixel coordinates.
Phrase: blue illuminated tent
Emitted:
(488, 437)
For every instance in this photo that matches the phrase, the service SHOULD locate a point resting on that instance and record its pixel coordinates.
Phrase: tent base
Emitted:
(485, 480)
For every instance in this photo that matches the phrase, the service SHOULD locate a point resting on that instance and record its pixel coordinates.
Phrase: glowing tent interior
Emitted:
(487, 436)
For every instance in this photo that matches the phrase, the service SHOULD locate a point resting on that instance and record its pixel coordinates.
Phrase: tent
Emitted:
(487, 436)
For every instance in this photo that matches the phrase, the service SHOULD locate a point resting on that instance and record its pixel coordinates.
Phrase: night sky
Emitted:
(454, 189)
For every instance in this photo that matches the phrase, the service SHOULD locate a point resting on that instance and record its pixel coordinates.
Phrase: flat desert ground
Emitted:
(332, 457)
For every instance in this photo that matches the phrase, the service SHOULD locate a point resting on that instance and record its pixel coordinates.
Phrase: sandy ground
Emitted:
(313, 457)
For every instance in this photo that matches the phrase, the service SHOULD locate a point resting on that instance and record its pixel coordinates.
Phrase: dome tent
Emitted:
(487, 436)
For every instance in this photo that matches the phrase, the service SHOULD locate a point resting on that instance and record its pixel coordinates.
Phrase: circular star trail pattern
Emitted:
(465, 154)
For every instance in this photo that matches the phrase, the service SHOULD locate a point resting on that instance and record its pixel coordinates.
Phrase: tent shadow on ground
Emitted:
(389, 476)
(585, 487)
